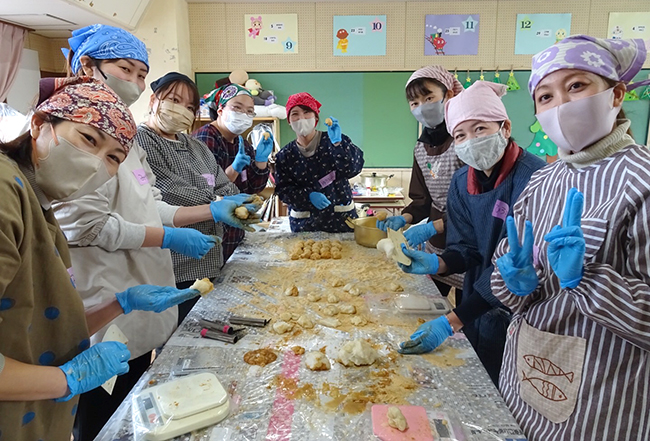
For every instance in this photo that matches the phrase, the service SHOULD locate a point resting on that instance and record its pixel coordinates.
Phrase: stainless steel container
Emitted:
(375, 180)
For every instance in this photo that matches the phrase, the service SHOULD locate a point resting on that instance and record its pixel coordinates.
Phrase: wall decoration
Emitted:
(359, 35)
(541, 145)
(451, 34)
(628, 25)
(271, 33)
(536, 32)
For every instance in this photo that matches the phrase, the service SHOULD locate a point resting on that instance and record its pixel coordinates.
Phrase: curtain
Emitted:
(11, 47)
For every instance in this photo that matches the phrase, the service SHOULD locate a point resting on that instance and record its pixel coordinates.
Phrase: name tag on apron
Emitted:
(209, 179)
(72, 279)
(327, 179)
(141, 176)
(500, 210)
(244, 176)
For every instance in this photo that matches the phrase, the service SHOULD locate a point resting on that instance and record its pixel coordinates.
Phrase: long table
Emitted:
(286, 401)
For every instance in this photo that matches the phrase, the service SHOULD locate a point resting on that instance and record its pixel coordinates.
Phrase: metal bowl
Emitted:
(366, 232)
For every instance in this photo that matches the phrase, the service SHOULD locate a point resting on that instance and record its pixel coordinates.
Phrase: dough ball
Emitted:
(314, 296)
(298, 350)
(381, 216)
(295, 256)
(285, 316)
(330, 322)
(294, 316)
(317, 245)
(348, 309)
(314, 256)
(348, 287)
(317, 361)
(326, 242)
(355, 291)
(357, 353)
(305, 322)
(395, 287)
(292, 291)
(336, 247)
(396, 419)
(282, 327)
(241, 212)
(300, 243)
(337, 283)
(332, 298)
(203, 286)
(310, 242)
(330, 310)
(325, 255)
(358, 320)
(337, 242)
(336, 256)
(305, 254)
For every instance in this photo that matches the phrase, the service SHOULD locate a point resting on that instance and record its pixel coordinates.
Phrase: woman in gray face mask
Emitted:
(481, 196)
(434, 163)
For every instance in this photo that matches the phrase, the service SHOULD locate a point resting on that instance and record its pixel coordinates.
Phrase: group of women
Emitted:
(560, 319)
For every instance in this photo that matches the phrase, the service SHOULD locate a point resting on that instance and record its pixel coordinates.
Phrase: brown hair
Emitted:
(621, 113)
(21, 149)
(420, 88)
(167, 89)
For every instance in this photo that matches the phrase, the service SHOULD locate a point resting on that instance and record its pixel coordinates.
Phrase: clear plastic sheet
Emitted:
(286, 401)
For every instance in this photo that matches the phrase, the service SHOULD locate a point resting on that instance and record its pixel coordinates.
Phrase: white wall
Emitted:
(24, 90)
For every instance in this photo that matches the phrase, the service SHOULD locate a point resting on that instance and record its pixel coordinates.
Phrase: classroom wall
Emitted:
(50, 57)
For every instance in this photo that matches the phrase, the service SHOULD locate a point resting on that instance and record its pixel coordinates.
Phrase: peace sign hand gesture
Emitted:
(566, 243)
(516, 267)
(242, 159)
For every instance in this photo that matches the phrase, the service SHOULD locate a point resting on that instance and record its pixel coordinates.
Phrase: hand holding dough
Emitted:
(241, 212)
(396, 419)
(204, 286)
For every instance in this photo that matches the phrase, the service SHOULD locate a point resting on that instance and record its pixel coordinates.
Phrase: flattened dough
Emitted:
(305, 322)
(396, 419)
(282, 327)
(357, 353)
(317, 361)
(347, 309)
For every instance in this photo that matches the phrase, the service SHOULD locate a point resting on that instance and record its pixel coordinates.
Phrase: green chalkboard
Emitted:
(372, 109)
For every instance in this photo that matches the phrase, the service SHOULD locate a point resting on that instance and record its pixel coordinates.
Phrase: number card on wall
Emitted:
(629, 25)
(271, 33)
(451, 34)
(359, 35)
(536, 32)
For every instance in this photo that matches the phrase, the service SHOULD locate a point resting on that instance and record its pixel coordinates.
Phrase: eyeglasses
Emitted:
(238, 109)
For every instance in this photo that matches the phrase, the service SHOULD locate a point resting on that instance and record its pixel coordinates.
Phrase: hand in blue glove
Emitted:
(566, 244)
(427, 337)
(334, 131)
(419, 234)
(187, 241)
(94, 366)
(421, 262)
(264, 149)
(153, 298)
(240, 198)
(392, 222)
(224, 211)
(241, 159)
(516, 267)
(319, 200)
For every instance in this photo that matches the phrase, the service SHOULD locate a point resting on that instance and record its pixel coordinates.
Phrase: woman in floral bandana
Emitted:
(79, 134)
(575, 269)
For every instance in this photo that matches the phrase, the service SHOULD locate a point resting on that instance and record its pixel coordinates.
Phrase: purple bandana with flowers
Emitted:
(618, 60)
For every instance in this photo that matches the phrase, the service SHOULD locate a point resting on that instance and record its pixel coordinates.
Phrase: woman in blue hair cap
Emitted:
(123, 233)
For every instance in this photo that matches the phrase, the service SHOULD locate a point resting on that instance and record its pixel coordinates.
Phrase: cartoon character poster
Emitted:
(536, 32)
(362, 35)
(629, 25)
(452, 34)
(271, 33)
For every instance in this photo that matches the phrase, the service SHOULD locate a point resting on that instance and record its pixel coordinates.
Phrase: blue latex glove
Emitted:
(566, 244)
(224, 211)
(421, 262)
(264, 149)
(241, 159)
(153, 298)
(187, 241)
(334, 131)
(516, 267)
(392, 222)
(419, 234)
(240, 198)
(427, 337)
(94, 366)
(319, 200)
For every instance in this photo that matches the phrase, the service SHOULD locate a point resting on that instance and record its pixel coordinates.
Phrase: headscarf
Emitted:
(438, 73)
(218, 98)
(88, 101)
(103, 42)
(303, 99)
(168, 78)
(618, 60)
(480, 101)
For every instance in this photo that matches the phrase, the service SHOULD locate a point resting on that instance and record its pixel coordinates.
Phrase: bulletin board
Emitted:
(210, 50)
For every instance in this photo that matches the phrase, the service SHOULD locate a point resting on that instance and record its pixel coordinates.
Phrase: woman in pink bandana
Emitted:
(575, 270)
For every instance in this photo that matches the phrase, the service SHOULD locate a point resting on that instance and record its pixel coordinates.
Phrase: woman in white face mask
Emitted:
(312, 173)
(45, 359)
(481, 196)
(575, 269)
(434, 163)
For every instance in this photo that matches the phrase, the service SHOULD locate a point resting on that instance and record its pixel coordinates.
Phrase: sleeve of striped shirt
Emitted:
(620, 300)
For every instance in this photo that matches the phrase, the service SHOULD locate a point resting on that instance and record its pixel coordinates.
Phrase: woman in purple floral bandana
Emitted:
(575, 269)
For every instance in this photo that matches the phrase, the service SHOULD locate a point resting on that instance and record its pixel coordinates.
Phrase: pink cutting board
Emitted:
(416, 417)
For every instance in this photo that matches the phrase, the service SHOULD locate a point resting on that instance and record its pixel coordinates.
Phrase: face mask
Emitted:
(430, 114)
(67, 172)
(578, 124)
(482, 153)
(173, 118)
(303, 127)
(236, 122)
(129, 92)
